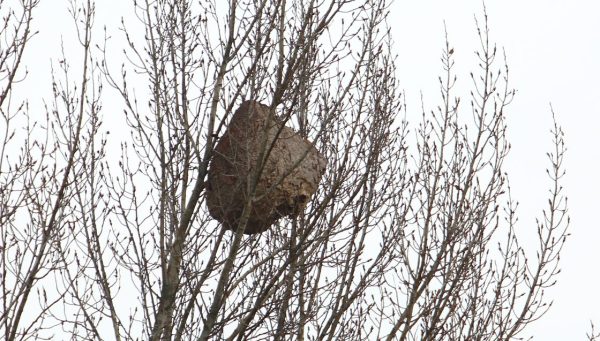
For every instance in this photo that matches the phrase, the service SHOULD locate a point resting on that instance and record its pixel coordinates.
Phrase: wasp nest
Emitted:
(290, 176)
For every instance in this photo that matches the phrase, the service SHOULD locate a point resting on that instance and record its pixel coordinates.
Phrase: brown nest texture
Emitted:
(290, 175)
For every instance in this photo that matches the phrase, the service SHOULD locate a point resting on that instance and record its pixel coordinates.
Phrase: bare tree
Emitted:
(412, 234)
(42, 171)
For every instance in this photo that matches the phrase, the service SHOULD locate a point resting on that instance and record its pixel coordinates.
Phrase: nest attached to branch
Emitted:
(290, 176)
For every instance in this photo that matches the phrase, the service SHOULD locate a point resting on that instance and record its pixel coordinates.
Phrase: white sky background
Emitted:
(553, 51)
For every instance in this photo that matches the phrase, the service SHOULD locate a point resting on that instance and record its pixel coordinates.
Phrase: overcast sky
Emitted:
(553, 51)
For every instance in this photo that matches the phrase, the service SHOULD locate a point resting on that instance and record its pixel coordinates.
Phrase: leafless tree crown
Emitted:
(411, 235)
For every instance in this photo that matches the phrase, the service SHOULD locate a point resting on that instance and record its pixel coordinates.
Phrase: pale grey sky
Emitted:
(553, 51)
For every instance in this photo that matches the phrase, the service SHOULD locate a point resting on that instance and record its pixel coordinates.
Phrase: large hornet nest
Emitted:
(290, 176)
